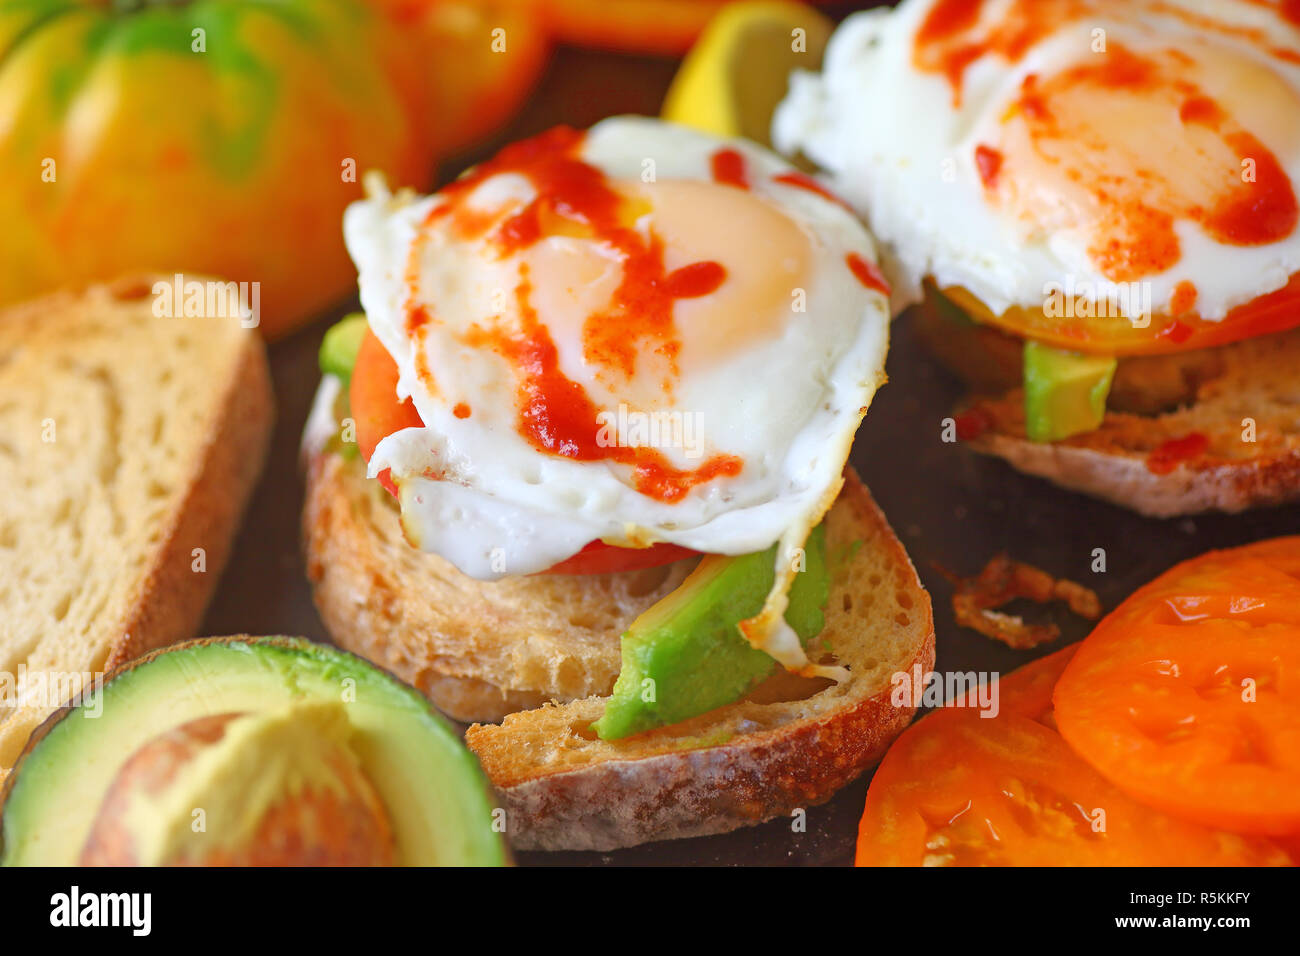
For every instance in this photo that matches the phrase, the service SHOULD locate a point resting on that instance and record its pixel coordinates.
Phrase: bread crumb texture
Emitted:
(1245, 412)
(129, 444)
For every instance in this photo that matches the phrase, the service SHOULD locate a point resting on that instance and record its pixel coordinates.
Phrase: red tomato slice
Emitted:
(1115, 335)
(957, 789)
(601, 558)
(1187, 696)
(378, 413)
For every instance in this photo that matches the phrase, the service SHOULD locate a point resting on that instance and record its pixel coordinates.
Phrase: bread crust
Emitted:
(172, 599)
(1123, 478)
(666, 785)
(711, 790)
(1246, 414)
(168, 599)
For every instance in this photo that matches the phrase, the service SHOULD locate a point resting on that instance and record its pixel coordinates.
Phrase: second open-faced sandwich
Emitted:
(602, 400)
(1095, 200)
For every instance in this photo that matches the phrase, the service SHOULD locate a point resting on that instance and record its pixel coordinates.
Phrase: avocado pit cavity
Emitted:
(281, 788)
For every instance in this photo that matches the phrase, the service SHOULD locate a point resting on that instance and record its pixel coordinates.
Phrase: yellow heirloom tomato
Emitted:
(215, 136)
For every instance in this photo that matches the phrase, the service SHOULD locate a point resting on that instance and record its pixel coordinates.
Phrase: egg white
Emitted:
(895, 146)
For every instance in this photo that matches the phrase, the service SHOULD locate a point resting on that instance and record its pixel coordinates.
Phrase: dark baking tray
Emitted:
(951, 508)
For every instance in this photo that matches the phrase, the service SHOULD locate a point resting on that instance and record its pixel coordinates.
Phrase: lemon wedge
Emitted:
(738, 71)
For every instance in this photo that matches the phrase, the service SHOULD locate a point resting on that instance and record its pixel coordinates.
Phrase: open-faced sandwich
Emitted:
(1095, 201)
(581, 469)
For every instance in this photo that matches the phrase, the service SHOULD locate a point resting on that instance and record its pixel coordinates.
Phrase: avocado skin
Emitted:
(338, 350)
(690, 645)
(1065, 392)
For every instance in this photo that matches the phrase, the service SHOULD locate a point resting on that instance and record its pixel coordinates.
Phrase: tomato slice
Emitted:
(373, 397)
(1115, 335)
(960, 790)
(1187, 696)
(601, 558)
(1027, 691)
(378, 413)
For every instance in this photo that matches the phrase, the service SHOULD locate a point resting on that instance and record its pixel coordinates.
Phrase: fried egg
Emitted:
(636, 334)
(1006, 147)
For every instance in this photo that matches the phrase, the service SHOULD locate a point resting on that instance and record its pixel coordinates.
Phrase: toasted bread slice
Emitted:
(759, 758)
(990, 362)
(543, 651)
(1242, 398)
(1240, 440)
(127, 442)
(479, 650)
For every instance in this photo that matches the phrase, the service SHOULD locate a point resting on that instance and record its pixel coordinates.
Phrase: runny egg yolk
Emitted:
(731, 266)
(621, 290)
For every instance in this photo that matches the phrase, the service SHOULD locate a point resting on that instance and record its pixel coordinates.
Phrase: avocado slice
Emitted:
(1065, 392)
(295, 701)
(685, 655)
(338, 350)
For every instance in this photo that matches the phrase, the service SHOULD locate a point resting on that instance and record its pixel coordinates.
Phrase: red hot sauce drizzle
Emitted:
(555, 413)
(867, 273)
(1169, 455)
(988, 161)
(1133, 234)
(728, 168)
(804, 181)
(557, 416)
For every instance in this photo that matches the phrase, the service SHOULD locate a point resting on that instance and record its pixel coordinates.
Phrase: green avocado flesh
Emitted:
(1065, 392)
(430, 786)
(685, 655)
(338, 350)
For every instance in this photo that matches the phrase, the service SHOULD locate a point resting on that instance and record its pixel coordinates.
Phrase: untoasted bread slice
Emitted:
(1247, 411)
(127, 442)
(479, 650)
(759, 758)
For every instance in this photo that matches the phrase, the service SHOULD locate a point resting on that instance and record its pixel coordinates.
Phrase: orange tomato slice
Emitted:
(1115, 335)
(373, 397)
(1027, 691)
(960, 790)
(377, 414)
(1187, 696)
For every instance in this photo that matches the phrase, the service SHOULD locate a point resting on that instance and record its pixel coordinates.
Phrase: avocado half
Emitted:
(430, 785)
